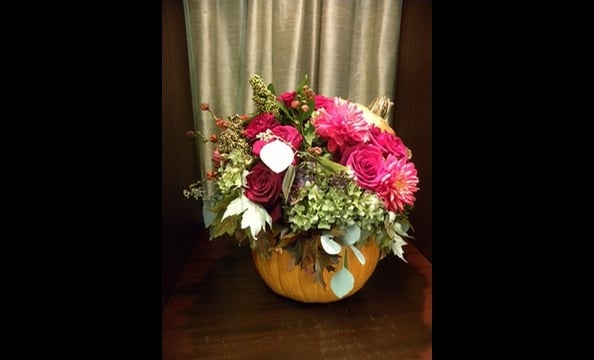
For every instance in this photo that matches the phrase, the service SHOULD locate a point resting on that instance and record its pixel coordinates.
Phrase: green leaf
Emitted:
(284, 110)
(352, 234)
(288, 181)
(342, 282)
(401, 228)
(309, 133)
(226, 226)
(331, 165)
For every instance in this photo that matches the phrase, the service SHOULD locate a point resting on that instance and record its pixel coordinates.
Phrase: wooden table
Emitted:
(221, 309)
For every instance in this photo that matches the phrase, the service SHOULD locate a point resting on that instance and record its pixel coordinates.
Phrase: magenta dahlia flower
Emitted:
(342, 124)
(398, 186)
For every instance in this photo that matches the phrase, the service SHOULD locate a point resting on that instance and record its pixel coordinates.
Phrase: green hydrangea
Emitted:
(231, 174)
(329, 200)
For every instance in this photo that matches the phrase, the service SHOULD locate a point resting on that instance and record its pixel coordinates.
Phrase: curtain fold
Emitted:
(346, 48)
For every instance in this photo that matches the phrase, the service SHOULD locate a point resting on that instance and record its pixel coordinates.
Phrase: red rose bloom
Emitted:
(264, 187)
(260, 123)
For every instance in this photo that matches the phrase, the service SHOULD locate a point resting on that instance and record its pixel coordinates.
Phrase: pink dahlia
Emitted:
(342, 124)
(398, 186)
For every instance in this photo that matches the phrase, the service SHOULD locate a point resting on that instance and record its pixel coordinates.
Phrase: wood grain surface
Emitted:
(221, 309)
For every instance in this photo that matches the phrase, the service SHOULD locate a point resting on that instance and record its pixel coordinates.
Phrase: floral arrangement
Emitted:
(311, 175)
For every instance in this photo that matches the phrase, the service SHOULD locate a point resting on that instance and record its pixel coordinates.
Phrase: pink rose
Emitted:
(287, 98)
(367, 163)
(388, 143)
(286, 132)
(264, 187)
(260, 123)
(321, 101)
(289, 134)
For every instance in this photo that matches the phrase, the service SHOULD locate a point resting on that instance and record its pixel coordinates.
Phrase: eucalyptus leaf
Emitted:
(401, 228)
(330, 246)
(342, 282)
(358, 254)
(352, 234)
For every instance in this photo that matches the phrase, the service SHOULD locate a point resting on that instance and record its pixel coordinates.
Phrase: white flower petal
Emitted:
(277, 155)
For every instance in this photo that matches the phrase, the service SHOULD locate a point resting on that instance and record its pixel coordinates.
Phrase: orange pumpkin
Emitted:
(300, 286)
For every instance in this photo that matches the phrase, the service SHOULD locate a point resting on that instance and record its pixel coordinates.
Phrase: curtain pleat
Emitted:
(345, 48)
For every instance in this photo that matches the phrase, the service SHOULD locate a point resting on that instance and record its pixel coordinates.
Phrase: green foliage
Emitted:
(226, 226)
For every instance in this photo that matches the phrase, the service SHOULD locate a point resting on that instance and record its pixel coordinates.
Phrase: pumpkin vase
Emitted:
(294, 283)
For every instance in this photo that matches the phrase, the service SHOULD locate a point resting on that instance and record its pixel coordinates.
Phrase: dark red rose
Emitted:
(264, 187)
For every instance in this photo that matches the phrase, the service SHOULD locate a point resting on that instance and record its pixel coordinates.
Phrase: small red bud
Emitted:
(210, 175)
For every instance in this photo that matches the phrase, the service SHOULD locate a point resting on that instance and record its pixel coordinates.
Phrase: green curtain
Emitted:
(346, 48)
